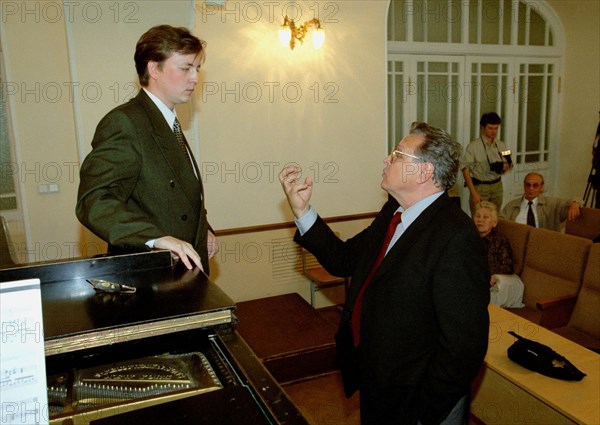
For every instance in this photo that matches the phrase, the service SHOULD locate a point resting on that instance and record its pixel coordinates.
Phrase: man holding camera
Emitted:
(484, 162)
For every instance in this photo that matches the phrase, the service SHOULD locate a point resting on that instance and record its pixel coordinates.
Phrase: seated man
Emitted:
(537, 210)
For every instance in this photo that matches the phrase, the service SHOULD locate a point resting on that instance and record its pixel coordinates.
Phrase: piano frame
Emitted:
(173, 311)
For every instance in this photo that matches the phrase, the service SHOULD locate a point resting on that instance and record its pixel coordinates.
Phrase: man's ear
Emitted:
(427, 170)
(153, 69)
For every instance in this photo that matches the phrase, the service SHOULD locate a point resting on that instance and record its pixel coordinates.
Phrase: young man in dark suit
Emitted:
(414, 330)
(140, 186)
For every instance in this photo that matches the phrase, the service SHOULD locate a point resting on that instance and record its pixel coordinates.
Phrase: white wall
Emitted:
(264, 105)
(580, 93)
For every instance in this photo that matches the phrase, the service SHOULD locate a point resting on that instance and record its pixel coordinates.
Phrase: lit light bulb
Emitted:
(318, 38)
(285, 35)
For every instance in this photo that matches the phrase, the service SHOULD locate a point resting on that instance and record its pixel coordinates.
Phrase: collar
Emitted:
(490, 235)
(487, 140)
(535, 201)
(412, 213)
(169, 114)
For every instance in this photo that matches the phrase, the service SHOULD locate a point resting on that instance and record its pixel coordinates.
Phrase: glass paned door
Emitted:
(439, 92)
(423, 88)
(536, 92)
(469, 76)
(490, 91)
(452, 94)
(397, 94)
(522, 93)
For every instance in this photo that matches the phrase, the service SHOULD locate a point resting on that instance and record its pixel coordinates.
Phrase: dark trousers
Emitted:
(459, 414)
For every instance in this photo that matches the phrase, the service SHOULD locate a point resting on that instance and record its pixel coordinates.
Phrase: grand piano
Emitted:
(165, 351)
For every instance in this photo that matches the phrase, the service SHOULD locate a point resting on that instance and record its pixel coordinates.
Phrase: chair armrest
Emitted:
(321, 277)
(556, 312)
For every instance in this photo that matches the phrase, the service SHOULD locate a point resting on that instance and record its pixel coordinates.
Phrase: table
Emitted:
(507, 393)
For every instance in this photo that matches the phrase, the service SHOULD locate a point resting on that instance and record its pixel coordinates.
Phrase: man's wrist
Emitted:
(305, 222)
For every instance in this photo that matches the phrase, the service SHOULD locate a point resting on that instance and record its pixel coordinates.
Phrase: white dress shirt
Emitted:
(522, 216)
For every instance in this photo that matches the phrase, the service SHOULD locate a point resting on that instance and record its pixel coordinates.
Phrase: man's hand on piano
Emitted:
(180, 249)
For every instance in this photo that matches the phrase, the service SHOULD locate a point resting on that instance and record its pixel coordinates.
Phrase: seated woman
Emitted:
(506, 289)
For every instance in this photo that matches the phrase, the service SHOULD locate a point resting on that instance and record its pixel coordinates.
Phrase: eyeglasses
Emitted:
(397, 154)
(534, 185)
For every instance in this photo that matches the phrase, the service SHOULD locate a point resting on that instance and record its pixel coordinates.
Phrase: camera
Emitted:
(506, 155)
(498, 166)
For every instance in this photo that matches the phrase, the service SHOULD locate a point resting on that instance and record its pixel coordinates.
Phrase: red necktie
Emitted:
(397, 218)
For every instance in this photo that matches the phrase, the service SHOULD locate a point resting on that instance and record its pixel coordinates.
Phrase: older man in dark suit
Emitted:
(414, 329)
(140, 185)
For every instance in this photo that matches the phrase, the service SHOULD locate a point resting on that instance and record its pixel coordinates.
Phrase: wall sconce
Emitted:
(289, 33)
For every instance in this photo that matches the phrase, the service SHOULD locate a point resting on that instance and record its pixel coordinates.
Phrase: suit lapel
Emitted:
(379, 229)
(542, 211)
(167, 143)
(411, 235)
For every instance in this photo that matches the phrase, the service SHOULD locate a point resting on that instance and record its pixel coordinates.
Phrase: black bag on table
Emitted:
(542, 359)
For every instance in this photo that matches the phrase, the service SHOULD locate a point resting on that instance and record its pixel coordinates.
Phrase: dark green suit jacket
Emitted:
(137, 184)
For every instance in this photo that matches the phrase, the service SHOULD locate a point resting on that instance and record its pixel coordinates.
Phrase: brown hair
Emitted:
(159, 43)
(490, 118)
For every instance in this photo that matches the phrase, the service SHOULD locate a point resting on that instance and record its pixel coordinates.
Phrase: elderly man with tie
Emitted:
(414, 329)
(537, 210)
(140, 186)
